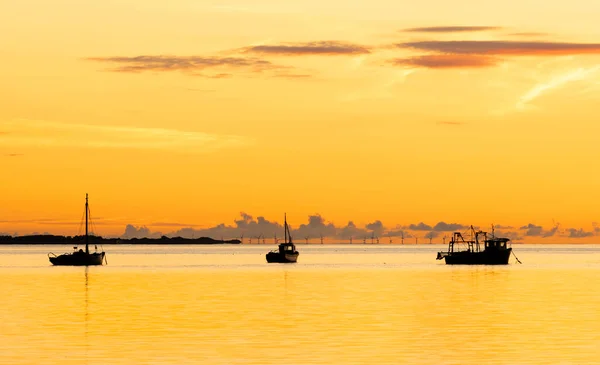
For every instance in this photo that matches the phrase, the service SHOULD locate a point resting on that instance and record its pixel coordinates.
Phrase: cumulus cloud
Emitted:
(316, 227)
(443, 226)
(350, 230)
(578, 233)
(420, 227)
(432, 235)
(376, 228)
(451, 29)
(534, 230)
(248, 227)
(398, 231)
(132, 231)
(513, 235)
(439, 227)
(321, 48)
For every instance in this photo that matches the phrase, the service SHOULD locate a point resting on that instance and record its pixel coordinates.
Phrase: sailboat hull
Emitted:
(78, 259)
(282, 258)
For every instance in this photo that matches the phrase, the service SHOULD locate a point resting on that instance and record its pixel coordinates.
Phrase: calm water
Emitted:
(340, 304)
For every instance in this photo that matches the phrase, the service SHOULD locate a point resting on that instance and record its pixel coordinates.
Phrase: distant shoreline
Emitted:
(96, 240)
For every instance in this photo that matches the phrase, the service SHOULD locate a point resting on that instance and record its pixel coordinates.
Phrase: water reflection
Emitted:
(86, 319)
(336, 307)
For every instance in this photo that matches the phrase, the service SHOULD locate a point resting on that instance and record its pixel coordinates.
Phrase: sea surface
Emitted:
(340, 304)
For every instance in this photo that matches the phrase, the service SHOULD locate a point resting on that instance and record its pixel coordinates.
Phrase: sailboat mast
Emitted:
(285, 232)
(87, 248)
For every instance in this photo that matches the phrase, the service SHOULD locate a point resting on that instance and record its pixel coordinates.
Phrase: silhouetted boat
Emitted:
(80, 257)
(287, 252)
(495, 250)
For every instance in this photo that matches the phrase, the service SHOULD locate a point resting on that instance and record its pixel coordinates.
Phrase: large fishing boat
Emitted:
(80, 257)
(287, 252)
(496, 251)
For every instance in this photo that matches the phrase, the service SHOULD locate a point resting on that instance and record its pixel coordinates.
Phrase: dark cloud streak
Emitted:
(451, 29)
(322, 48)
(514, 48)
(189, 64)
(446, 61)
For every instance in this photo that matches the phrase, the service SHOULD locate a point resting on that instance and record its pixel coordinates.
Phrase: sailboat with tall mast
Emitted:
(287, 252)
(80, 257)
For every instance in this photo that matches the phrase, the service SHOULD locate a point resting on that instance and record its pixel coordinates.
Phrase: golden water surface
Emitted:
(340, 304)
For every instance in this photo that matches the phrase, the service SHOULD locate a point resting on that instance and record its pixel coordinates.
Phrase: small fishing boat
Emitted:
(287, 252)
(80, 257)
(496, 251)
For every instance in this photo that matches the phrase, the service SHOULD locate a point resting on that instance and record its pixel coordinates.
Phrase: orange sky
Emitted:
(186, 113)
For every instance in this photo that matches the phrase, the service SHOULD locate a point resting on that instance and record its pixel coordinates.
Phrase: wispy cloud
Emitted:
(200, 90)
(196, 65)
(446, 61)
(14, 154)
(529, 34)
(383, 89)
(234, 9)
(33, 133)
(451, 29)
(321, 48)
(247, 8)
(554, 83)
(293, 76)
(58, 222)
(513, 48)
(450, 123)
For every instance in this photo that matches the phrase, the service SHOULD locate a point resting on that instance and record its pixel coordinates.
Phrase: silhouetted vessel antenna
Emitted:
(87, 209)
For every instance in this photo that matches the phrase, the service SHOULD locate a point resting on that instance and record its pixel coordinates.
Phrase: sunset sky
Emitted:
(181, 114)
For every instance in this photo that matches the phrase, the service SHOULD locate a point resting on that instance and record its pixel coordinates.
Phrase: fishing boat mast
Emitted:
(87, 248)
